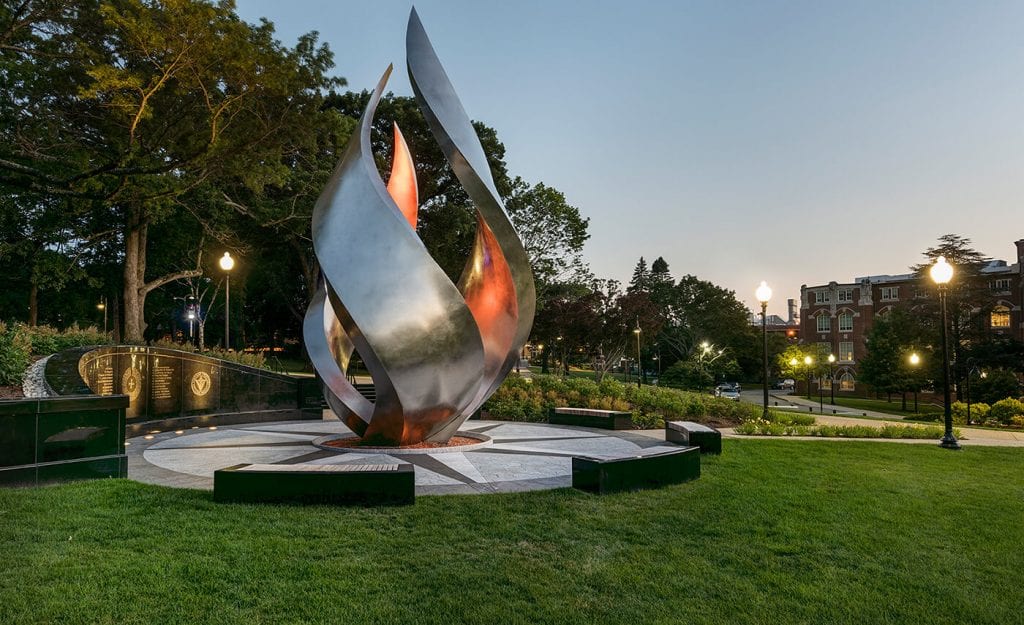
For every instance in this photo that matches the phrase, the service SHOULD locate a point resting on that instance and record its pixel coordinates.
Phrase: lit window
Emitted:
(1000, 317)
(821, 297)
(845, 296)
(846, 382)
(824, 323)
(846, 351)
(845, 322)
(890, 293)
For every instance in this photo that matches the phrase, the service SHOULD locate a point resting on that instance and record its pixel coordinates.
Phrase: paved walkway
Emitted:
(843, 415)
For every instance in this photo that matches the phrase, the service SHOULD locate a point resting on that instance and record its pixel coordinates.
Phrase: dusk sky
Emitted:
(793, 142)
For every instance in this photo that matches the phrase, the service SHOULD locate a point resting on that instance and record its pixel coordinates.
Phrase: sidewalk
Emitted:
(848, 416)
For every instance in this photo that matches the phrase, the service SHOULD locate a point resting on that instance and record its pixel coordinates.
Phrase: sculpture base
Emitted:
(461, 441)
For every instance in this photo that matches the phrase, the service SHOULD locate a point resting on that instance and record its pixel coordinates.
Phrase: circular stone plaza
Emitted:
(512, 456)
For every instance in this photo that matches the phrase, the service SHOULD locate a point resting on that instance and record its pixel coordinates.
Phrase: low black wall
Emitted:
(174, 387)
(62, 438)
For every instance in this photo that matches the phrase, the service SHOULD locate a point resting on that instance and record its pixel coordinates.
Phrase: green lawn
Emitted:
(889, 407)
(774, 532)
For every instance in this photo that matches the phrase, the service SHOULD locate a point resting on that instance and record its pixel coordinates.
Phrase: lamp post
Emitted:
(915, 360)
(808, 361)
(764, 293)
(941, 273)
(103, 306)
(227, 264)
(191, 315)
(639, 364)
(832, 376)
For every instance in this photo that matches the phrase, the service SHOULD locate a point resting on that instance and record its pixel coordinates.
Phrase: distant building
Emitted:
(838, 316)
(777, 325)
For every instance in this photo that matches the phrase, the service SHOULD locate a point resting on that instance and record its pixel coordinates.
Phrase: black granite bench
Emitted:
(591, 418)
(647, 469)
(708, 439)
(365, 484)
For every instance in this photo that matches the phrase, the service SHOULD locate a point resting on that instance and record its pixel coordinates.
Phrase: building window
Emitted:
(1000, 317)
(845, 322)
(821, 297)
(845, 296)
(846, 351)
(824, 323)
(1000, 286)
(846, 382)
(890, 293)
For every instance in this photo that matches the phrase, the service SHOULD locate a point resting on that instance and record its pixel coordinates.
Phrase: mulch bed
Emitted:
(11, 392)
(455, 441)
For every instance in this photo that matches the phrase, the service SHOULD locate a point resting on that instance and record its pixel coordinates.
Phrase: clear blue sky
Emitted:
(793, 142)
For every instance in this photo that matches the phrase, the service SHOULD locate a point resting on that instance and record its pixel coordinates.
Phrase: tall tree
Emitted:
(968, 300)
(640, 282)
(133, 105)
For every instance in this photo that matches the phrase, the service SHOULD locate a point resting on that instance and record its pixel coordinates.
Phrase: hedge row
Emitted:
(19, 342)
(531, 399)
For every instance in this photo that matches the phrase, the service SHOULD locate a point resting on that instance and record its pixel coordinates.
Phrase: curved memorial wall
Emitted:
(170, 388)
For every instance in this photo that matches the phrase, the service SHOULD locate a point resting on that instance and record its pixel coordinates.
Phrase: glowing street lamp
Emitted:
(764, 293)
(941, 273)
(227, 264)
(639, 365)
(915, 360)
(832, 377)
(103, 306)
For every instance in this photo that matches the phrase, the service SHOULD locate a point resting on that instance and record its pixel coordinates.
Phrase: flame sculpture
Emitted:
(435, 350)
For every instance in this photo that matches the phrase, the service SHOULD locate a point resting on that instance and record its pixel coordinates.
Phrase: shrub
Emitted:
(979, 413)
(760, 427)
(1004, 410)
(15, 353)
(46, 340)
(249, 359)
(531, 399)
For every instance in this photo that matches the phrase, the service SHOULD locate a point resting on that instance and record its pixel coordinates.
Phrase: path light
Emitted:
(941, 273)
(764, 293)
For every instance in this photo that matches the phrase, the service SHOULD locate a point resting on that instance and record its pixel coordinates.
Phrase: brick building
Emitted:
(837, 316)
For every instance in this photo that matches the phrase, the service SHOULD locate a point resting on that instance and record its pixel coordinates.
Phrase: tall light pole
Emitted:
(227, 264)
(941, 273)
(915, 360)
(764, 293)
(832, 377)
(103, 306)
(808, 361)
(639, 365)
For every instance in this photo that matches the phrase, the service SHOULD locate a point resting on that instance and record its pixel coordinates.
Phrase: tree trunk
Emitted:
(135, 286)
(202, 334)
(33, 305)
(134, 277)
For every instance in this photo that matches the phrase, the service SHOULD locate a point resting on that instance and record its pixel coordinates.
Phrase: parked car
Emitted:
(728, 392)
(786, 385)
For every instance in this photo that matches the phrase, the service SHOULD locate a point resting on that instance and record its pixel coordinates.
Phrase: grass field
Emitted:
(773, 532)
